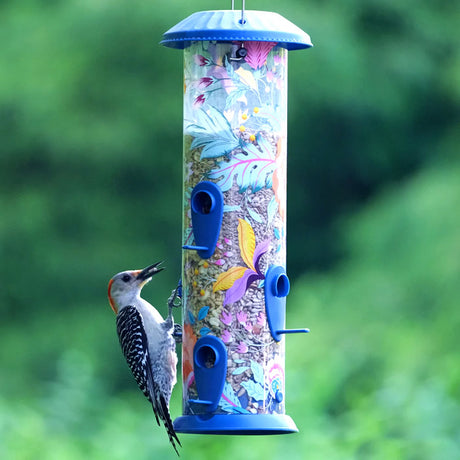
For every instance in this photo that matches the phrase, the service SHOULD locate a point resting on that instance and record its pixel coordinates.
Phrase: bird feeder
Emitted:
(234, 220)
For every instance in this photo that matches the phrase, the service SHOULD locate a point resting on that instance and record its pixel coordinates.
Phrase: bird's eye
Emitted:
(126, 278)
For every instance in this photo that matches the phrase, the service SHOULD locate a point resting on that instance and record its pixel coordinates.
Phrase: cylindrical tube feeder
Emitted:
(234, 224)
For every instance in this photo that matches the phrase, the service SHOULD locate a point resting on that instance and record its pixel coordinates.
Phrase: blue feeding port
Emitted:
(277, 288)
(210, 365)
(207, 206)
(210, 368)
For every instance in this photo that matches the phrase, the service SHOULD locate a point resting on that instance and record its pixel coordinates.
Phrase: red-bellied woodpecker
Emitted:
(147, 341)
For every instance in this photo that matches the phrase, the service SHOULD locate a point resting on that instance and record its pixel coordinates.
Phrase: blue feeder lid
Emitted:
(226, 25)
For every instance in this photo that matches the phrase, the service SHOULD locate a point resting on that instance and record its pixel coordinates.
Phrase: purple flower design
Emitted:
(205, 82)
(199, 101)
(242, 348)
(237, 280)
(257, 53)
(226, 318)
(261, 319)
(242, 317)
(241, 285)
(226, 336)
(201, 60)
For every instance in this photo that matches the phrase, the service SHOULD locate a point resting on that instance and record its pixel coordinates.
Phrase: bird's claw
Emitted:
(177, 334)
(175, 299)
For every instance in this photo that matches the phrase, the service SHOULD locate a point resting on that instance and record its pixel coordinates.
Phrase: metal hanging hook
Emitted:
(243, 7)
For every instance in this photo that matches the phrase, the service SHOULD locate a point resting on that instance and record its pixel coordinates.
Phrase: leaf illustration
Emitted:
(229, 402)
(205, 331)
(213, 132)
(203, 313)
(255, 390)
(247, 78)
(258, 372)
(238, 92)
(191, 318)
(257, 53)
(229, 67)
(271, 209)
(251, 167)
(239, 288)
(255, 216)
(261, 249)
(247, 242)
(230, 208)
(227, 279)
(239, 370)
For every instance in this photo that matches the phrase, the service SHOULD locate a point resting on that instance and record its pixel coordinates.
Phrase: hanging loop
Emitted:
(243, 7)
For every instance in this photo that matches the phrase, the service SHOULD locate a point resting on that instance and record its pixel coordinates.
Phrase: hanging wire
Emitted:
(243, 7)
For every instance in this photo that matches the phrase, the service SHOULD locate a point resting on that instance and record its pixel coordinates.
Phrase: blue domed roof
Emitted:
(227, 25)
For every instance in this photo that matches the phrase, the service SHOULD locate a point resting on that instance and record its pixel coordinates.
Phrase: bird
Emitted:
(147, 341)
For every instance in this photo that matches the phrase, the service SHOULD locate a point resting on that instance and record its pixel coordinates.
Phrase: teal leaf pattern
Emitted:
(252, 168)
(213, 133)
(229, 402)
(255, 390)
(231, 208)
(240, 370)
(234, 96)
(256, 216)
(271, 209)
(258, 372)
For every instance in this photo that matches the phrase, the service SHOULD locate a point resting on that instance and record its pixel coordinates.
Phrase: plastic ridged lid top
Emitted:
(226, 25)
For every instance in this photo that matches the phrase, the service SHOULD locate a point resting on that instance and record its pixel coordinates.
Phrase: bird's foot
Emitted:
(175, 299)
(177, 334)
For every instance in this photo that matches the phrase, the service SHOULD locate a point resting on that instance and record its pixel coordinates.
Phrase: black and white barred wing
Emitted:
(134, 344)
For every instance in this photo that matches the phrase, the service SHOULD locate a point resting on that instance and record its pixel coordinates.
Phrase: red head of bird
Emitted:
(125, 287)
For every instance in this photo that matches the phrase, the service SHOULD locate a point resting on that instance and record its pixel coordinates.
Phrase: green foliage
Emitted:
(381, 367)
(90, 184)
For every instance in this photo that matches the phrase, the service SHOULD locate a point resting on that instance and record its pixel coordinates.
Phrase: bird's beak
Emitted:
(149, 271)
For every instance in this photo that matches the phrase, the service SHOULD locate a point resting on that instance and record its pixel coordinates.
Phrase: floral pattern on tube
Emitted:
(235, 136)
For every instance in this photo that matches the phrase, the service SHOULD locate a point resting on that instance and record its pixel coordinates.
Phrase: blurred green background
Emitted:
(90, 181)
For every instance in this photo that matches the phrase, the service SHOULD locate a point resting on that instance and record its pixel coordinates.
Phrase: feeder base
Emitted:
(237, 424)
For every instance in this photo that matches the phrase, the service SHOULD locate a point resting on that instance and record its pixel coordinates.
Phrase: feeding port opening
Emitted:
(202, 202)
(281, 286)
(206, 356)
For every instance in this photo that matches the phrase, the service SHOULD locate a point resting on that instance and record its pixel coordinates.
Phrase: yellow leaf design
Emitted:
(247, 78)
(225, 280)
(247, 242)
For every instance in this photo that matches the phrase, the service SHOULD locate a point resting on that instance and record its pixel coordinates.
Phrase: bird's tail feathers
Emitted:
(160, 409)
(169, 425)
